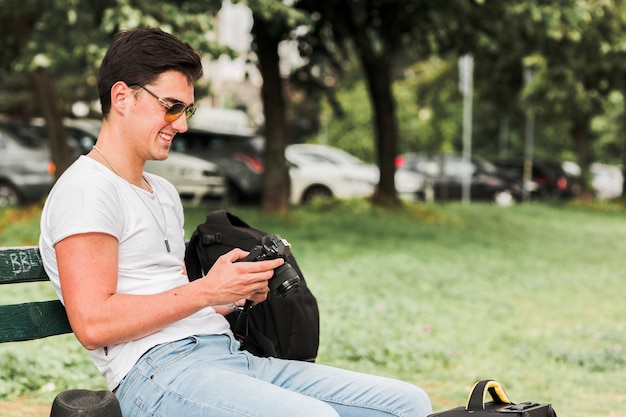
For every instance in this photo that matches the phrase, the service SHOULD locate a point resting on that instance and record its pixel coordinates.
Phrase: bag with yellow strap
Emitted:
(500, 406)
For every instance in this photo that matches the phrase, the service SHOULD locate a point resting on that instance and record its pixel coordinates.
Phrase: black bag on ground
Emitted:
(283, 327)
(500, 406)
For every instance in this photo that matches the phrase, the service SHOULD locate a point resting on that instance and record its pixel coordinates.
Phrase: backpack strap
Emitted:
(225, 218)
(264, 342)
(198, 257)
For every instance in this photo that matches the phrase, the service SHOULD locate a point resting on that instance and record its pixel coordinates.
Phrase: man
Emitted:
(112, 242)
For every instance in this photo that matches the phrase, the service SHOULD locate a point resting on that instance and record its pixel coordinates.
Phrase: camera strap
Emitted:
(241, 326)
(242, 329)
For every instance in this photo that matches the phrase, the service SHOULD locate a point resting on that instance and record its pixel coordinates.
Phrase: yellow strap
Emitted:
(495, 389)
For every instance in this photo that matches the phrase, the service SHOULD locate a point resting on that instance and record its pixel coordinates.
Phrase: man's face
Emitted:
(153, 131)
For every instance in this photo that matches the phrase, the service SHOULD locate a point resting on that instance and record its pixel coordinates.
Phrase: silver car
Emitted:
(26, 172)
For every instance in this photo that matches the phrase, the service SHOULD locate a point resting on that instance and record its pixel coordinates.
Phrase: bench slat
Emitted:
(34, 320)
(21, 264)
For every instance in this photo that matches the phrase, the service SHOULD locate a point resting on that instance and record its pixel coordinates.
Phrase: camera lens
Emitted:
(285, 280)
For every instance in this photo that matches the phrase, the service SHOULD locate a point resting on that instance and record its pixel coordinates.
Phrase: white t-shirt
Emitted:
(90, 198)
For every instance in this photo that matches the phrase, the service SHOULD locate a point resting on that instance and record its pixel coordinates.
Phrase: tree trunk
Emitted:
(50, 108)
(377, 70)
(45, 94)
(276, 186)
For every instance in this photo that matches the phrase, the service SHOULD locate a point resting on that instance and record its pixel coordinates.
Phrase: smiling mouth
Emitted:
(166, 136)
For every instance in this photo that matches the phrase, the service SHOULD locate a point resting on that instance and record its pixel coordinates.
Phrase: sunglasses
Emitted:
(172, 111)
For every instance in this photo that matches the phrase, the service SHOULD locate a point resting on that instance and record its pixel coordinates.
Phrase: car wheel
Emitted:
(316, 192)
(504, 198)
(420, 196)
(8, 196)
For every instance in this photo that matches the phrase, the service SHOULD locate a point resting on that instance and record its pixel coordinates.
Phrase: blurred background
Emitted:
(506, 103)
(434, 101)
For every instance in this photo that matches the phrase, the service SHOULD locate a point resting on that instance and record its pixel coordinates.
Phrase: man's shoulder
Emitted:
(84, 179)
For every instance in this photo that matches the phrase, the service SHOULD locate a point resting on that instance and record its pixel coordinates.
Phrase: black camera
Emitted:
(285, 278)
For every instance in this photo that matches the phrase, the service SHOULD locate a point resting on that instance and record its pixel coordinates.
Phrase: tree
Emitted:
(273, 22)
(582, 62)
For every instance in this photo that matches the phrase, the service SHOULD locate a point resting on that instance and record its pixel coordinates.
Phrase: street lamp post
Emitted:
(529, 138)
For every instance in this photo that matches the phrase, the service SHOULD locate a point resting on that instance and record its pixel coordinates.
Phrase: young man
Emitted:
(112, 242)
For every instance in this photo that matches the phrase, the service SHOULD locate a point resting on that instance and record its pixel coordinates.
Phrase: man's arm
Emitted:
(99, 316)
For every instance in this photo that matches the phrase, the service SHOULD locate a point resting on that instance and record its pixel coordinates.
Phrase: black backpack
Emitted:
(283, 327)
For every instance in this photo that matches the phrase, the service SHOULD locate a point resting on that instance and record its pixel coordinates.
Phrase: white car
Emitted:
(196, 180)
(606, 180)
(325, 171)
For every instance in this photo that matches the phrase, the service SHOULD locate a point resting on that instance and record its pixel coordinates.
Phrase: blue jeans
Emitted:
(209, 376)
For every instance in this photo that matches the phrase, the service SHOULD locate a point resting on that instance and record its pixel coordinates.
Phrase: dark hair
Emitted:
(140, 56)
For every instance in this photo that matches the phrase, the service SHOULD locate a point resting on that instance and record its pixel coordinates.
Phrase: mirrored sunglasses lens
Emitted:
(174, 112)
(190, 111)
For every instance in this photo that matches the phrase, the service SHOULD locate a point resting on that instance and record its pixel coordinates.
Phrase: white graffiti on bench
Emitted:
(24, 261)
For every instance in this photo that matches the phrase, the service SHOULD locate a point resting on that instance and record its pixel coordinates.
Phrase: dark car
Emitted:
(447, 173)
(239, 156)
(548, 178)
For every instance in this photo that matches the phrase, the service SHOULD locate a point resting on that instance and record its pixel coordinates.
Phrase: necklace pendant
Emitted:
(167, 245)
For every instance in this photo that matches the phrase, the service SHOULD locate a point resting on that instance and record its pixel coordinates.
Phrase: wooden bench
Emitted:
(28, 320)
(32, 320)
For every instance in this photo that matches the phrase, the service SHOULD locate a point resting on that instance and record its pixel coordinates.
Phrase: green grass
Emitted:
(441, 296)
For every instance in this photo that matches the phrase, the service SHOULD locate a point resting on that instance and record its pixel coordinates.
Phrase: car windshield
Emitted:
(26, 136)
(194, 140)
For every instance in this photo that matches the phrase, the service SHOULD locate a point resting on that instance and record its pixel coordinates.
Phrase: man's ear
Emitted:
(121, 95)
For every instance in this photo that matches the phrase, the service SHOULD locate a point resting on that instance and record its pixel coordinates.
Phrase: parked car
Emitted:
(79, 140)
(607, 180)
(239, 156)
(26, 172)
(325, 171)
(196, 180)
(548, 178)
(447, 173)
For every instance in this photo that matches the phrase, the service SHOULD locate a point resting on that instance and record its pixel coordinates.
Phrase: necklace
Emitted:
(152, 190)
